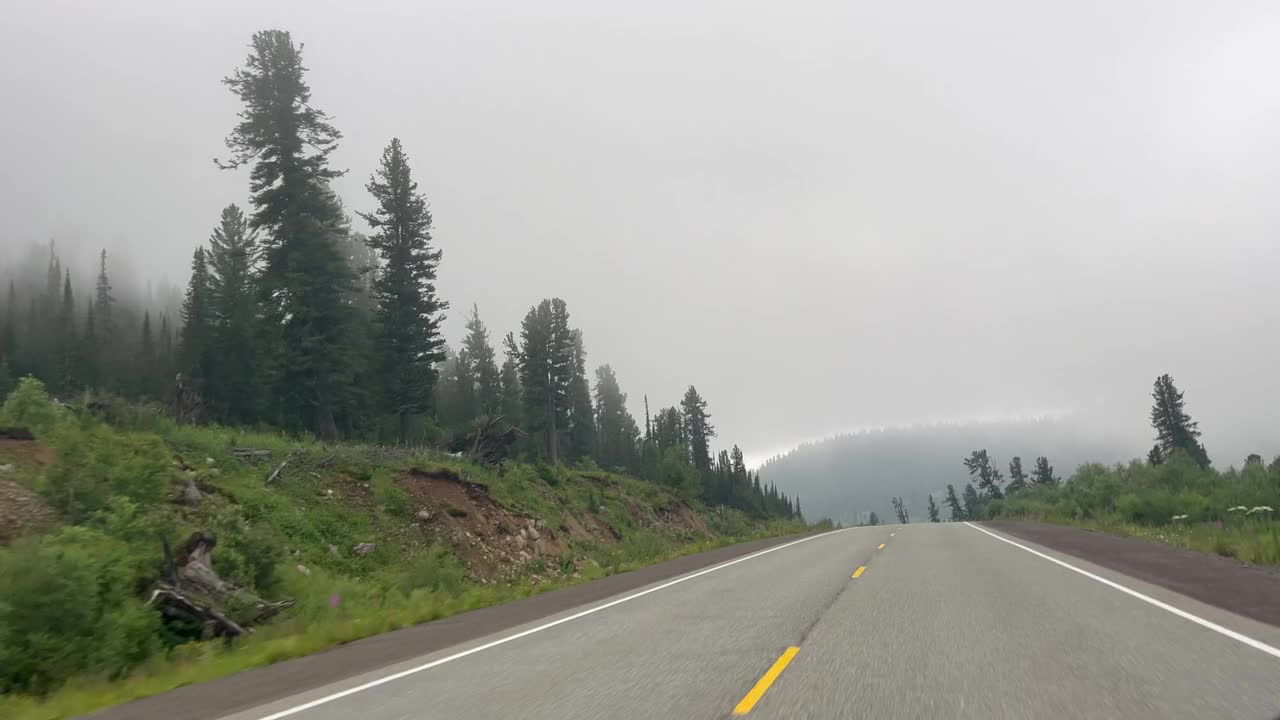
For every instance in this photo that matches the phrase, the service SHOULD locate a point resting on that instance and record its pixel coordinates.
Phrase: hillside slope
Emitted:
(847, 475)
(361, 539)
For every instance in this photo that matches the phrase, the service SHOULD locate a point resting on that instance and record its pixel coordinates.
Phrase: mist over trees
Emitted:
(292, 320)
(847, 476)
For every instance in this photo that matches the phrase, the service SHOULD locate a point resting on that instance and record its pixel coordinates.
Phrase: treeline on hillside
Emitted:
(1175, 484)
(293, 320)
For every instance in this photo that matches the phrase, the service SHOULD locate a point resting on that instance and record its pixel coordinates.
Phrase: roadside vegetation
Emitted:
(362, 539)
(1174, 496)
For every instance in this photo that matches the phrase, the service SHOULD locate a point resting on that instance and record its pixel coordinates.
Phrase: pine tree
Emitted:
(9, 333)
(1043, 474)
(511, 401)
(669, 431)
(67, 342)
(874, 519)
(901, 510)
(1175, 430)
(306, 282)
(933, 510)
(165, 361)
(88, 356)
(581, 420)
(408, 312)
(953, 502)
(984, 472)
(697, 428)
(195, 359)
(971, 502)
(146, 382)
(1017, 477)
(1155, 456)
(615, 428)
(483, 366)
(104, 301)
(232, 390)
(533, 360)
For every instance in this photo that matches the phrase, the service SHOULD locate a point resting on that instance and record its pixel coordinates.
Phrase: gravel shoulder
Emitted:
(1246, 590)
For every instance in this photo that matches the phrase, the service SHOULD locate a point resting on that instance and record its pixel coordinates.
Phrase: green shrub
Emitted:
(67, 606)
(29, 406)
(94, 463)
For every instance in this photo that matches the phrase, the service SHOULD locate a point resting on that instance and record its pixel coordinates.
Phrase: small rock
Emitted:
(191, 494)
(533, 535)
(5, 469)
(208, 461)
(424, 515)
(304, 570)
(364, 549)
(520, 541)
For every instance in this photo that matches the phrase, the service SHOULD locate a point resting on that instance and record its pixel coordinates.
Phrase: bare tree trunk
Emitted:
(326, 428)
(554, 439)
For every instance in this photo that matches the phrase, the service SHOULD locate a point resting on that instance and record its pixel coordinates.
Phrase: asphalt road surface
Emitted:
(945, 621)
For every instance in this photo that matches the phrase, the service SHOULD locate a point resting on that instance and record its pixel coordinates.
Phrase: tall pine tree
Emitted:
(953, 502)
(484, 367)
(407, 310)
(1017, 476)
(615, 428)
(1043, 472)
(581, 421)
(195, 359)
(232, 391)
(934, 516)
(305, 281)
(1175, 430)
(697, 428)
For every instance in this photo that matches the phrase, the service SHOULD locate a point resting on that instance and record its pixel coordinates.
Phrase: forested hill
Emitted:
(845, 475)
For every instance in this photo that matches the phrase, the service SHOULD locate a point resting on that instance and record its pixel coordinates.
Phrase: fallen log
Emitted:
(279, 468)
(491, 440)
(193, 592)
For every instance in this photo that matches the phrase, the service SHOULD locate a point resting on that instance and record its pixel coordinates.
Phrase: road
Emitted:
(946, 620)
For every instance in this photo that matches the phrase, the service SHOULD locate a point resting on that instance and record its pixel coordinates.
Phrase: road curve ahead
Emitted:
(917, 621)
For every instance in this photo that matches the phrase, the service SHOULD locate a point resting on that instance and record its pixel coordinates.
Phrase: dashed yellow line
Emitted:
(858, 573)
(758, 691)
(881, 546)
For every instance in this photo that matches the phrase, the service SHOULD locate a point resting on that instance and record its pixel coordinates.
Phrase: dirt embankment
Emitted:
(497, 541)
(1246, 590)
(21, 510)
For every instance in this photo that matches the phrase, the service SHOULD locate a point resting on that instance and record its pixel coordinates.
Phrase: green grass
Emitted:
(359, 616)
(1254, 542)
(113, 482)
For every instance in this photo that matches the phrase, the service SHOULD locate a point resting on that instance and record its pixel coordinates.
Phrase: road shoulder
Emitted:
(1227, 584)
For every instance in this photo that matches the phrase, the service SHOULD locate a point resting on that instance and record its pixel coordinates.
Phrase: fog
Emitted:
(826, 216)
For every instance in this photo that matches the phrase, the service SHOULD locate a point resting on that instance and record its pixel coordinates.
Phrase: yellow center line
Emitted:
(861, 569)
(881, 546)
(758, 691)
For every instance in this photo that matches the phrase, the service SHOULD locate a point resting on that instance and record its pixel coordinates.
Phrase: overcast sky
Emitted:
(825, 215)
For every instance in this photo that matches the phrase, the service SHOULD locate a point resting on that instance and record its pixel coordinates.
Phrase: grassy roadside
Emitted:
(1253, 542)
(442, 536)
(276, 643)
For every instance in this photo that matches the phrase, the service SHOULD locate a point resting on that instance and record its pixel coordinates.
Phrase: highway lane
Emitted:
(942, 621)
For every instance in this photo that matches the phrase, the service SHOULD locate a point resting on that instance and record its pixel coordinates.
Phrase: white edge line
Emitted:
(530, 631)
(1240, 637)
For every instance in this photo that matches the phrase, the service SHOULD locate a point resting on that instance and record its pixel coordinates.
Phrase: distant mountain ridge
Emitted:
(848, 474)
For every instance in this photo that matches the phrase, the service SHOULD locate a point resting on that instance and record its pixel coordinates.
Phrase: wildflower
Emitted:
(1176, 518)
(1260, 508)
